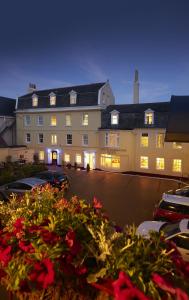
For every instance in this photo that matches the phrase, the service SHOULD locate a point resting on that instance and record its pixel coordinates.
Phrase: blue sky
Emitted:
(60, 43)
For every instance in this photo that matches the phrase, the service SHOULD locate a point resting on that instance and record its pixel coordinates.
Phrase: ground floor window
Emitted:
(41, 155)
(160, 163)
(144, 162)
(78, 158)
(67, 157)
(177, 165)
(110, 161)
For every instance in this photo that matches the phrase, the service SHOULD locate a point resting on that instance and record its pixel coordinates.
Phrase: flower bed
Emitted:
(51, 248)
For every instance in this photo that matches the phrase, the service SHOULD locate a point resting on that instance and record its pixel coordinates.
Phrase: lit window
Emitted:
(110, 161)
(40, 138)
(144, 162)
(68, 120)
(28, 137)
(41, 155)
(85, 140)
(85, 120)
(53, 120)
(177, 165)
(149, 117)
(144, 140)
(39, 120)
(34, 100)
(69, 139)
(78, 158)
(114, 118)
(111, 139)
(52, 99)
(67, 157)
(73, 97)
(27, 120)
(53, 139)
(177, 145)
(160, 164)
(160, 140)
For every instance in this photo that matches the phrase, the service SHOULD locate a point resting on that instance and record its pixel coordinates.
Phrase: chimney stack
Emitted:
(136, 89)
(31, 88)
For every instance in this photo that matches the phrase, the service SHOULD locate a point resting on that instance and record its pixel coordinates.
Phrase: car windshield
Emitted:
(170, 228)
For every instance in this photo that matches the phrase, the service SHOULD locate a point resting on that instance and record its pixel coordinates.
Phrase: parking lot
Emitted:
(127, 199)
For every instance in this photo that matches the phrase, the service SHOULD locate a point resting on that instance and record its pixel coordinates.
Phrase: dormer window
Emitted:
(73, 97)
(114, 117)
(34, 100)
(149, 117)
(52, 99)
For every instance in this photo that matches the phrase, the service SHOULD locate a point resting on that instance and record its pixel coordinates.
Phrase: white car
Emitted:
(178, 232)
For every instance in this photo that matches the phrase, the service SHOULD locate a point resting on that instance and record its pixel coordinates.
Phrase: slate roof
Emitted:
(131, 116)
(7, 106)
(178, 120)
(87, 95)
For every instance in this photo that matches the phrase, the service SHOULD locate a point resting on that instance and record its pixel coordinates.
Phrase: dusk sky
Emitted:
(61, 43)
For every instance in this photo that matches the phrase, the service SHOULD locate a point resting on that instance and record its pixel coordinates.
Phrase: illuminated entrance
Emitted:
(54, 157)
(90, 158)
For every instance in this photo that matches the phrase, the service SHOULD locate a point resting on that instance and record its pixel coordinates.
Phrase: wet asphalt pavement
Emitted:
(127, 199)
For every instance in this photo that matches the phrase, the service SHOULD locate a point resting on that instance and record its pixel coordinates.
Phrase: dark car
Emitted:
(55, 178)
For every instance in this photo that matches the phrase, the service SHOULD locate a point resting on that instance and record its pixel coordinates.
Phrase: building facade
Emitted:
(82, 124)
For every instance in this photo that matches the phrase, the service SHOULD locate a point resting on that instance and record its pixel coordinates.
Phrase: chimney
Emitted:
(31, 88)
(136, 89)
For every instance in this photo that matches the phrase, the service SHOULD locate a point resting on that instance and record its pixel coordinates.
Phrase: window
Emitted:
(34, 100)
(52, 99)
(110, 161)
(68, 120)
(144, 140)
(85, 120)
(53, 120)
(160, 140)
(53, 139)
(39, 120)
(27, 120)
(78, 158)
(67, 157)
(149, 117)
(73, 97)
(177, 165)
(41, 155)
(144, 162)
(114, 117)
(28, 137)
(177, 145)
(160, 163)
(111, 139)
(85, 140)
(69, 139)
(40, 138)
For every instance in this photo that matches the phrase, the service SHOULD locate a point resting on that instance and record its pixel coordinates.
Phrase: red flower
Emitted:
(5, 256)
(181, 295)
(18, 225)
(26, 246)
(131, 294)
(163, 283)
(105, 286)
(34, 228)
(70, 238)
(123, 282)
(81, 270)
(96, 203)
(2, 273)
(49, 237)
(43, 273)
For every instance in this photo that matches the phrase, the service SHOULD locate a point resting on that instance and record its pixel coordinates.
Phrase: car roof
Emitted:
(184, 225)
(175, 199)
(32, 181)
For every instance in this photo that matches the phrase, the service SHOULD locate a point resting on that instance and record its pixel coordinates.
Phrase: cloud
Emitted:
(92, 69)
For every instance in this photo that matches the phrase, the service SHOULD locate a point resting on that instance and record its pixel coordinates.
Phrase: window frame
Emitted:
(26, 138)
(107, 139)
(35, 100)
(144, 157)
(67, 139)
(142, 136)
(51, 123)
(52, 99)
(39, 142)
(85, 122)
(146, 118)
(54, 141)
(38, 118)
(83, 139)
(70, 120)
(25, 122)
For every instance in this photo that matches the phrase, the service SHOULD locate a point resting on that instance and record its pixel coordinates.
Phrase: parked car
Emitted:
(55, 178)
(21, 186)
(178, 232)
(173, 206)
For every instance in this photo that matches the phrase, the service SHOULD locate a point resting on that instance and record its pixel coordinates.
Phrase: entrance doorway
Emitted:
(89, 158)
(54, 156)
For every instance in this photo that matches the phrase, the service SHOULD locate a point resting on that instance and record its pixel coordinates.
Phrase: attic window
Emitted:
(73, 97)
(149, 117)
(52, 99)
(34, 100)
(114, 117)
